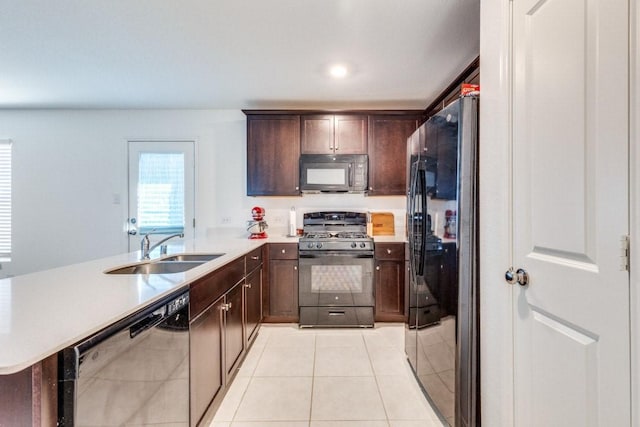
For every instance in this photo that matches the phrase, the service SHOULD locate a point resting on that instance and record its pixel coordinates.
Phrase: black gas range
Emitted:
(335, 231)
(336, 270)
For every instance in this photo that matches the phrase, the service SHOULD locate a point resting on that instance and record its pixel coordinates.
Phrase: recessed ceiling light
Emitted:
(338, 71)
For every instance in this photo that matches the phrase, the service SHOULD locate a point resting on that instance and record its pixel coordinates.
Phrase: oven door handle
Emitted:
(327, 254)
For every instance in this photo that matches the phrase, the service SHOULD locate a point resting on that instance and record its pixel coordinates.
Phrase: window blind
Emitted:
(5, 200)
(161, 193)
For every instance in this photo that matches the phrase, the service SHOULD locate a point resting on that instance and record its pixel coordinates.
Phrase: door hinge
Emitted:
(624, 253)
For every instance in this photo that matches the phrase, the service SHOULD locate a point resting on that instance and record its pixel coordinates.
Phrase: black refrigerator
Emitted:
(442, 336)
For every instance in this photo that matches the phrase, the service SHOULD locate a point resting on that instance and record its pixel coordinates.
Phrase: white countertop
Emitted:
(42, 313)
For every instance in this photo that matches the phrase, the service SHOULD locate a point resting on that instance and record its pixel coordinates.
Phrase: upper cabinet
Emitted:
(273, 152)
(333, 134)
(388, 136)
(275, 140)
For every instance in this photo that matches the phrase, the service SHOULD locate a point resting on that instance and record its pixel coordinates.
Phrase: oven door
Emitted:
(335, 279)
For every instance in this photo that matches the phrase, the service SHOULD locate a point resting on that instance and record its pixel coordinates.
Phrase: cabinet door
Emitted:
(316, 135)
(283, 289)
(205, 357)
(273, 151)
(350, 134)
(252, 303)
(390, 291)
(387, 153)
(233, 329)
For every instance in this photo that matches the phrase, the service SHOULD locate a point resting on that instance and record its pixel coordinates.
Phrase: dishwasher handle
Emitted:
(148, 322)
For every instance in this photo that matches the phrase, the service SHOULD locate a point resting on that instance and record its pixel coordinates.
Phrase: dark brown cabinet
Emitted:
(333, 134)
(29, 397)
(282, 294)
(390, 282)
(388, 151)
(205, 359)
(216, 341)
(273, 151)
(233, 329)
(252, 303)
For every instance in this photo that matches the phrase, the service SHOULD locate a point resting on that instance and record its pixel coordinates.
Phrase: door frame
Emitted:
(496, 348)
(496, 297)
(634, 203)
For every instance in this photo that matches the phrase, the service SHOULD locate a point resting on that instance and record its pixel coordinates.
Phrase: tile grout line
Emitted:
(235, 412)
(375, 378)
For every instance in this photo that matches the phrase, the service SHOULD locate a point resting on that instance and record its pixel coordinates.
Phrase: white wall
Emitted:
(71, 165)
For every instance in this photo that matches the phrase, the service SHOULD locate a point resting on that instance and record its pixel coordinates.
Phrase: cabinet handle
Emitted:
(297, 188)
(255, 257)
(229, 306)
(378, 267)
(225, 307)
(247, 285)
(295, 267)
(370, 188)
(389, 251)
(284, 251)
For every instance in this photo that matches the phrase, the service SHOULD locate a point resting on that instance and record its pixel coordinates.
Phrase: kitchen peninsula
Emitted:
(45, 312)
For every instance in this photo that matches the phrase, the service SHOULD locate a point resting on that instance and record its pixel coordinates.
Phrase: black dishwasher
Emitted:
(135, 372)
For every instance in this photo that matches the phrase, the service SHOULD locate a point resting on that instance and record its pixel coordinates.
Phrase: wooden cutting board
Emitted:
(383, 224)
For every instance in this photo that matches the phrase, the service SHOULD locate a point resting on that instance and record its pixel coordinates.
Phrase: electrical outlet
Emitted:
(226, 220)
(278, 220)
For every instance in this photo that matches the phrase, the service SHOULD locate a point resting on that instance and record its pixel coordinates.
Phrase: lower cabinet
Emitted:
(205, 354)
(252, 304)
(390, 282)
(283, 283)
(233, 329)
(219, 308)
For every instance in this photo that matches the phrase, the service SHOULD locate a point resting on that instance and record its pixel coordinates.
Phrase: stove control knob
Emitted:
(353, 244)
(319, 245)
(362, 245)
(310, 245)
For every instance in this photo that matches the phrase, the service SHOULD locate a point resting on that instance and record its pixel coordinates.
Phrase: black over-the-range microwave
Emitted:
(334, 173)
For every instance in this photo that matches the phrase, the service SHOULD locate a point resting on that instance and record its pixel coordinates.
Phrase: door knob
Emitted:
(521, 277)
(133, 232)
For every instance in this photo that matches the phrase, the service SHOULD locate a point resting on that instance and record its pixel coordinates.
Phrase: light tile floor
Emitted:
(326, 378)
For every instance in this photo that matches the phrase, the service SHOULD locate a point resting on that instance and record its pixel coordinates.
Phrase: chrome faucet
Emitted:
(145, 250)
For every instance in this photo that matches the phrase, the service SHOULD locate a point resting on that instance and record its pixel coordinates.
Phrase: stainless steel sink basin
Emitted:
(157, 267)
(192, 257)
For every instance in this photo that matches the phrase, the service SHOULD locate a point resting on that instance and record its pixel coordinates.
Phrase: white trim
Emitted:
(496, 321)
(634, 205)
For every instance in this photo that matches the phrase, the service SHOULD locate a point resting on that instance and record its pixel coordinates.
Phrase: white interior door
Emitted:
(161, 190)
(570, 195)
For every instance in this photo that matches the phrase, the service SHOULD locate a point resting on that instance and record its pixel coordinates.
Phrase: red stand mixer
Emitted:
(257, 225)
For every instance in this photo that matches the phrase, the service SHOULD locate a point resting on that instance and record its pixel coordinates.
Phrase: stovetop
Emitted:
(335, 231)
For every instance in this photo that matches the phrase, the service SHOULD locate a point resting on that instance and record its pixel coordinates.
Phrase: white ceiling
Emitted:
(232, 53)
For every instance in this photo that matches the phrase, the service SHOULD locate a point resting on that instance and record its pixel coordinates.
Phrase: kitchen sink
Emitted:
(156, 267)
(192, 257)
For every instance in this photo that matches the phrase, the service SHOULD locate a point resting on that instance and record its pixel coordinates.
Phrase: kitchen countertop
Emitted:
(43, 312)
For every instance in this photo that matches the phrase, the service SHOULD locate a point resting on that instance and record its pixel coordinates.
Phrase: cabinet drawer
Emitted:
(254, 259)
(389, 251)
(283, 251)
(336, 316)
(211, 287)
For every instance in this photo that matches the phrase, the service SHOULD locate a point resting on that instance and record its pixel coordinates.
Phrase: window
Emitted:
(161, 193)
(5, 200)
